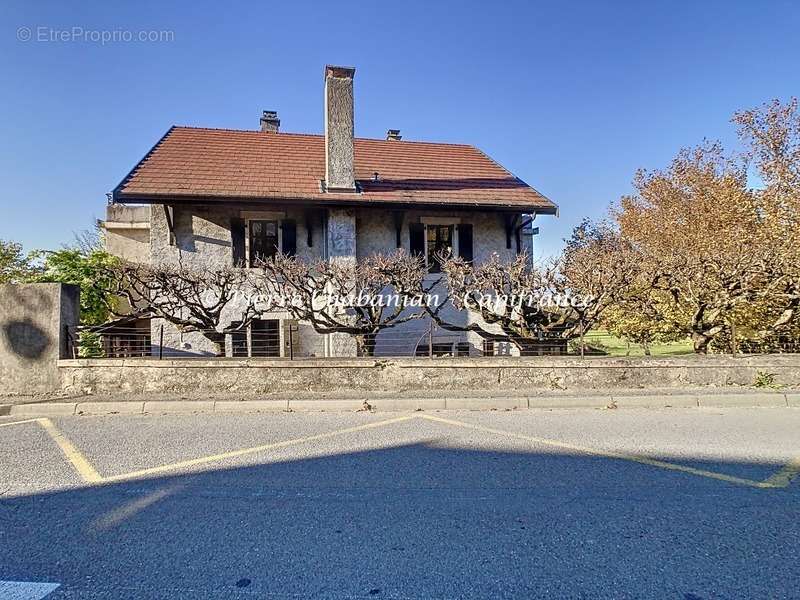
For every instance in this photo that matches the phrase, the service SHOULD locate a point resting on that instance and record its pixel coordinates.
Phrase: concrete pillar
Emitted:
(340, 234)
(340, 243)
(34, 319)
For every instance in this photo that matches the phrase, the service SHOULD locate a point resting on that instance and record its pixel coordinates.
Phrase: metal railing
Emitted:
(270, 341)
(284, 340)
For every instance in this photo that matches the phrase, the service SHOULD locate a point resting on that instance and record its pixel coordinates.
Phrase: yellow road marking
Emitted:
(82, 466)
(129, 509)
(780, 479)
(610, 454)
(245, 451)
(784, 477)
(19, 422)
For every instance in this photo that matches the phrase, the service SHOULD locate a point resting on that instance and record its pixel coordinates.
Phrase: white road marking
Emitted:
(25, 590)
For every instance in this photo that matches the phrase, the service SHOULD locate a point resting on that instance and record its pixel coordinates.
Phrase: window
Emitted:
(257, 239)
(427, 239)
(264, 241)
(239, 341)
(439, 240)
(265, 338)
(262, 338)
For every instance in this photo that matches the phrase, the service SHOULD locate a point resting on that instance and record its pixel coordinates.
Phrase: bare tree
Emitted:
(359, 298)
(192, 300)
(547, 303)
(502, 295)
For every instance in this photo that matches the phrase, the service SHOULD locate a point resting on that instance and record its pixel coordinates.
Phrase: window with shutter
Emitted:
(440, 243)
(416, 234)
(289, 237)
(465, 241)
(263, 241)
(238, 242)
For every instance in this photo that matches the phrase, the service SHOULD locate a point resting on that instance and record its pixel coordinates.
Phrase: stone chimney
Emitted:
(394, 135)
(270, 121)
(339, 169)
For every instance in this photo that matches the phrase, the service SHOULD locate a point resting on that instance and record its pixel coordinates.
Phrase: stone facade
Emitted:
(201, 238)
(357, 378)
(376, 231)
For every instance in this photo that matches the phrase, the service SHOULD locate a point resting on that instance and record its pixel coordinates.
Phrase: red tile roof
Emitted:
(222, 164)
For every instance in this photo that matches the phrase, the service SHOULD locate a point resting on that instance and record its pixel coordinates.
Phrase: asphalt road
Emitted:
(676, 503)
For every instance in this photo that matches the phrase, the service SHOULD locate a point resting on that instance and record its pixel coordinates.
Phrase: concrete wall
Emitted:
(33, 318)
(277, 378)
(127, 232)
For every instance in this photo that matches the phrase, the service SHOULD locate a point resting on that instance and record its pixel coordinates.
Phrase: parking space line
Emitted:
(783, 478)
(781, 481)
(73, 455)
(19, 422)
(245, 451)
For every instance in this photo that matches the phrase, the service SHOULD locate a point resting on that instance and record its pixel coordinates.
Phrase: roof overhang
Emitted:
(250, 201)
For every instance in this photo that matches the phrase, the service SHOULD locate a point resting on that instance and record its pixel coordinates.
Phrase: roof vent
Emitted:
(394, 134)
(270, 121)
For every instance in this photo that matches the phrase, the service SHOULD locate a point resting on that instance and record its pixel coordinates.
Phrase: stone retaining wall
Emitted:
(265, 377)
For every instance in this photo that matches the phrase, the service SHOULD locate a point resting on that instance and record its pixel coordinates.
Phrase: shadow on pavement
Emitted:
(410, 521)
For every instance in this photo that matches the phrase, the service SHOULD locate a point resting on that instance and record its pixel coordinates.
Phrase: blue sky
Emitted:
(571, 97)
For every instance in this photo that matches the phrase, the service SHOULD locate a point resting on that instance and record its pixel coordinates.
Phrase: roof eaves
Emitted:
(333, 199)
(115, 193)
(523, 182)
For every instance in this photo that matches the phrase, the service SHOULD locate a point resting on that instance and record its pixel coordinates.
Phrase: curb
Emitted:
(44, 409)
(747, 400)
(759, 400)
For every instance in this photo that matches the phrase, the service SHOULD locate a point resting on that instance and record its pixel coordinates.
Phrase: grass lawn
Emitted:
(618, 347)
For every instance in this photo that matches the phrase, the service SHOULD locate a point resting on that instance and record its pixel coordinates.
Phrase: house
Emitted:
(218, 197)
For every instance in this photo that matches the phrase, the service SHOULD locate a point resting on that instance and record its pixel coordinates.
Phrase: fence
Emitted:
(284, 340)
(268, 339)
